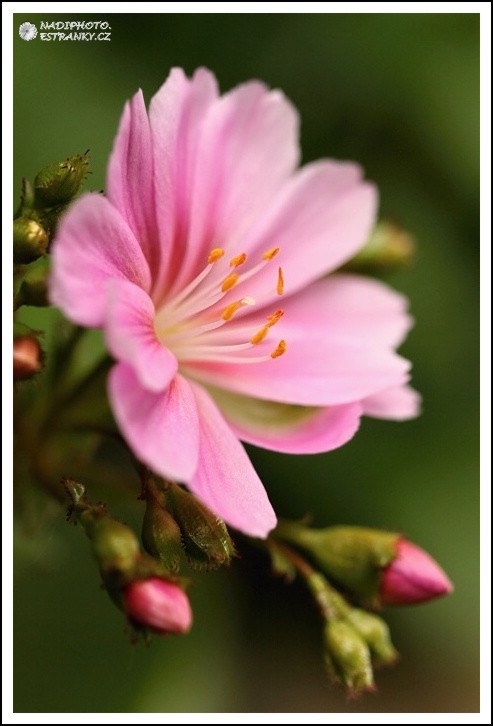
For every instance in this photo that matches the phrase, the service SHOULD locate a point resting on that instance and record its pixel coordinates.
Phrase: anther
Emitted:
(215, 255)
(274, 318)
(280, 350)
(233, 307)
(270, 254)
(238, 260)
(260, 335)
(229, 282)
(280, 282)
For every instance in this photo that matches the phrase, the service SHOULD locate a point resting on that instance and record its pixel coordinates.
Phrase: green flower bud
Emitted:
(114, 545)
(30, 240)
(33, 289)
(160, 533)
(60, 182)
(389, 248)
(375, 633)
(205, 537)
(352, 556)
(347, 657)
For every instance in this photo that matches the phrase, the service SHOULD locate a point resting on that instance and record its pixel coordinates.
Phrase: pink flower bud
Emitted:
(27, 358)
(412, 577)
(159, 605)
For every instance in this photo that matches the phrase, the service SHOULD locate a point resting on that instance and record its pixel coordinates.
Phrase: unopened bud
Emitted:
(114, 545)
(30, 240)
(159, 605)
(375, 632)
(412, 577)
(160, 534)
(347, 658)
(60, 182)
(352, 556)
(27, 357)
(389, 248)
(205, 536)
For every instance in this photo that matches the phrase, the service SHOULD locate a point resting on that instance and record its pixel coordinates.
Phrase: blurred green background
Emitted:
(400, 94)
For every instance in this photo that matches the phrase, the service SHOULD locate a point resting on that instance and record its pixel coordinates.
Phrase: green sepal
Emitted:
(58, 183)
(353, 557)
(205, 536)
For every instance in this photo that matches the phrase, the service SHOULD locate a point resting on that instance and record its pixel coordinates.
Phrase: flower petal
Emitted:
(176, 114)
(290, 429)
(225, 479)
(248, 148)
(346, 309)
(161, 428)
(319, 219)
(312, 372)
(400, 403)
(130, 180)
(131, 338)
(93, 245)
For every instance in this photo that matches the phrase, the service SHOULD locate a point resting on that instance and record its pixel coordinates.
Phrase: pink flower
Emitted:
(159, 605)
(205, 266)
(412, 577)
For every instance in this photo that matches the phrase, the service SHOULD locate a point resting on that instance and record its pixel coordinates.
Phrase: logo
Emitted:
(28, 31)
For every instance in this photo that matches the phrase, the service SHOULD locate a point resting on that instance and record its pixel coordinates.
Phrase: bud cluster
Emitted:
(372, 566)
(33, 229)
(151, 597)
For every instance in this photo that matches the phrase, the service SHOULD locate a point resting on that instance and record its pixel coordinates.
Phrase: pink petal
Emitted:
(130, 180)
(290, 429)
(93, 245)
(248, 148)
(131, 338)
(400, 403)
(320, 218)
(161, 428)
(348, 309)
(176, 115)
(158, 604)
(413, 577)
(312, 372)
(225, 480)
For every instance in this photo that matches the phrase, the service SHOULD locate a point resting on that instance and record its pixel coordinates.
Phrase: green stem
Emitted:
(331, 604)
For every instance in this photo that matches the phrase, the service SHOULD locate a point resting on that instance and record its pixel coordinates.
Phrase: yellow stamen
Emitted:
(229, 282)
(270, 254)
(280, 350)
(238, 260)
(215, 255)
(280, 282)
(231, 309)
(274, 318)
(260, 335)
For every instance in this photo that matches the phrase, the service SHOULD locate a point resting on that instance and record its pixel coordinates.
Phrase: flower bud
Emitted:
(161, 535)
(33, 289)
(58, 183)
(205, 536)
(389, 248)
(114, 545)
(375, 632)
(412, 577)
(352, 556)
(347, 657)
(30, 240)
(27, 357)
(378, 567)
(159, 605)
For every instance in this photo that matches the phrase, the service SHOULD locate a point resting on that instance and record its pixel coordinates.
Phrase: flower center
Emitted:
(196, 326)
